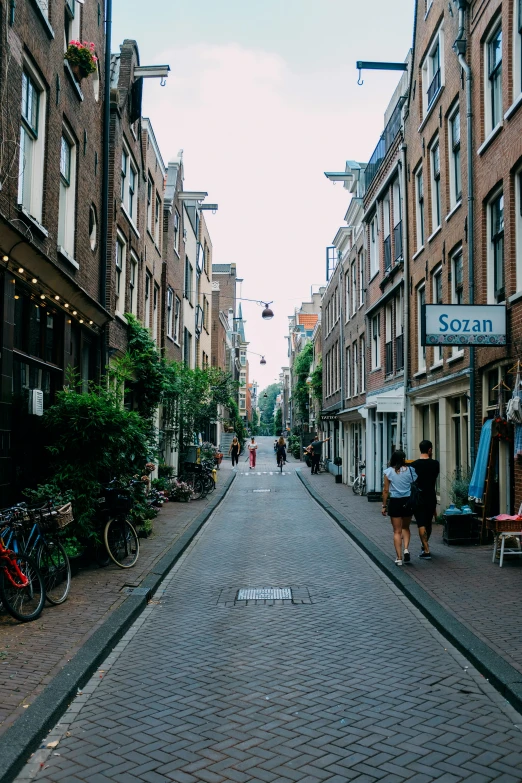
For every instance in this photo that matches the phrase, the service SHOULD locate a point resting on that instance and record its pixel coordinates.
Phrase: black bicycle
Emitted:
(119, 536)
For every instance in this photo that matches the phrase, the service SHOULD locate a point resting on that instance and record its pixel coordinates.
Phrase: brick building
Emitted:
(50, 207)
(173, 261)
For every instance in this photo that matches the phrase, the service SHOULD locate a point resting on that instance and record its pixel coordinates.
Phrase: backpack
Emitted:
(415, 494)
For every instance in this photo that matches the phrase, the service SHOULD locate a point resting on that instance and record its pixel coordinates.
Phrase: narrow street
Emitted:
(345, 682)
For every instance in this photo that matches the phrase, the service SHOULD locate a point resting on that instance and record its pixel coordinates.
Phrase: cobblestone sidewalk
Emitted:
(31, 654)
(463, 579)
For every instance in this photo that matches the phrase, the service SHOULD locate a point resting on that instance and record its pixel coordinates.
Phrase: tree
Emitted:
(300, 393)
(278, 422)
(267, 405)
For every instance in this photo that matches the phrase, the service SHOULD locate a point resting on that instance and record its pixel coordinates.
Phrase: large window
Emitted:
(129, 184)
(374, 246)
(494, 80)
(348, 373)
(437, 299)
(71, 29)
(347, 293)
(177, 317)
(435, 187)
(421, 349)
(376, 341)
(133, 284)
(399, 331)
(121, 261)
(496, 248)
(354, 288)
(419, 198)
(187, 347)
(67, 206)
(518, 226)
(386, 233)
(32, 130)
(388, 345)
(454, 158)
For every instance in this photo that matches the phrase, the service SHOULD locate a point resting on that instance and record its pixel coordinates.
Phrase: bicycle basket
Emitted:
(117, 499)
(53, 519)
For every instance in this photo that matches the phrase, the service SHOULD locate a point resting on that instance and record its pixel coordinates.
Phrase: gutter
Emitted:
(459, 47)
(105, 173)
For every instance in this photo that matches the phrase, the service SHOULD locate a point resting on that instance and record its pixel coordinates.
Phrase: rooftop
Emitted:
(308, 320)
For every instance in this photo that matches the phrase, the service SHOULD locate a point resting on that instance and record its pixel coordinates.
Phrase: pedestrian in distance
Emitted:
(235, 450)
(317, 448)
(281, 451)
(252, 448)
(427, 470)
(396, 501)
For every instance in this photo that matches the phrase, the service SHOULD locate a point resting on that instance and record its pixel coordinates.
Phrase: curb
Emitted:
(504, 677)
(24, 736)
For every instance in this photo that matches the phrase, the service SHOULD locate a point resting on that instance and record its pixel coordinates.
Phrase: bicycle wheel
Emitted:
(122, 542)
(210, 484)
(357, 486)
(56, 571)
(23, 603)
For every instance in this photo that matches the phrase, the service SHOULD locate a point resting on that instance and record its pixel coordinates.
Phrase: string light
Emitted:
(57, 298)
(66, 305)
(20, 271)
(34, 280)
(75, 312)
(42, 296)
(16, 296)
(81, 320)
(91, 323)
(5, 258)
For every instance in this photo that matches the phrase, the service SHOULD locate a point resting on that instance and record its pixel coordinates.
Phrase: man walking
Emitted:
(316, 447)
(427, 470)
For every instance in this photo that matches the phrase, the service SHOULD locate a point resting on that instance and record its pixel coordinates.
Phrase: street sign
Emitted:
(459, 324)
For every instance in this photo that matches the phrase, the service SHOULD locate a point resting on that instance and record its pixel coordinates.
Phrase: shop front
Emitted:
(384, 435)
(353, 424)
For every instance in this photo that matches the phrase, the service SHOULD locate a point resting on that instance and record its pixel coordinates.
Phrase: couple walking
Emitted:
(397, 502)
(235, 451)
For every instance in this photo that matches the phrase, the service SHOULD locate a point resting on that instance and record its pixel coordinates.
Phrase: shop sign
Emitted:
(463, 324)
(389, 404)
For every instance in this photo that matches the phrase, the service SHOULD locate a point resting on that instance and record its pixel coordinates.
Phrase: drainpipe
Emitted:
(341, 341)
(406, 301)
(105, 174)
(459, 47)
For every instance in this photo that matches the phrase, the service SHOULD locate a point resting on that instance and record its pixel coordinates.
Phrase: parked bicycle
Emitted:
(359, 484)
(119, 536)
(22, 589)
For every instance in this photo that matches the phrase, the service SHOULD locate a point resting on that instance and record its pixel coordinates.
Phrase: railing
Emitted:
(387, 253)
(390, 132)
(399, 348)
(397, 241)
(434, 88)
(389, 358)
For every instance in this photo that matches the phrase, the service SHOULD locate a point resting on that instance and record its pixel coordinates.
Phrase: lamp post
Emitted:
(267, 313)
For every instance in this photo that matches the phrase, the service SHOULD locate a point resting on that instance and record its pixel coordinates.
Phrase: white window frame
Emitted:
(517, 49)
(32, 146)
(348, 372)
(376, 341)
(374, 246)
(436, 190)
(170, 313)
(493, 83)
(362, 354)
(355, 358)
(72, 21)
(146, 300)
(455, 158)
(354, 286)
(150, 193)
(176, 218)
(420, 210)
(421, 349)
(177, 318)
(360, 256)
(133, 283)
(67, 202)
(436, 277)
(120, 263)
(429, 70)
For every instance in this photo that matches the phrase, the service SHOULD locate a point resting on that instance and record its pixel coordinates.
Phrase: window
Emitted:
(494, 80)
(386, 233)
(71, 30)
(155, 312)
(123, 174)
(133, 284)
(374, 246)
(518, 227)
(187, 347)
(148, 286)
(419, 194)
(157, 222)
(177, 316)
(432, 72)
(67, 205)
(132, 197)
(437, 299)
(435, 186)
(347, 293)
(421, 349)
(517, 54)
(496, 248)
(376, 341)
(361, 278)
(459, 416)
(354, 288)
(355, 370)
(348, 374)
(31, 161)
(93, 227)
(399, 331)
(119, 288)
(388, 347)
(187, 293)
(397, 222)
(455, 175)
(170, 312)
(362, 354)
(457, 288)
(176, 230)
(150, 190)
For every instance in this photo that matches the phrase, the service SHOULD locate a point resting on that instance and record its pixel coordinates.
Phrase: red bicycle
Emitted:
(22, 589)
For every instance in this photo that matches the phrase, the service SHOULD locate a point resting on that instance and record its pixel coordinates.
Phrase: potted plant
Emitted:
(181, 492)
(81, 58)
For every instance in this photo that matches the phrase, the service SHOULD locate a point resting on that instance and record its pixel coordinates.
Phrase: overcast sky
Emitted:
(262, 97)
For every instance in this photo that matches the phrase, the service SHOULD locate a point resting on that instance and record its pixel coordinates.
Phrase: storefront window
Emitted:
(35, 328)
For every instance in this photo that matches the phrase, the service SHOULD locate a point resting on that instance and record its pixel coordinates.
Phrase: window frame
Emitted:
(133, 283)
(420, 229)
(374, 246)
(437, 298)
(376, 341)
(436, 195)
(67, 197)
(496, 246)
(177, 319)
(421, 349)
(493, 79)
(31, 164)
(454, 153)
(120, 263)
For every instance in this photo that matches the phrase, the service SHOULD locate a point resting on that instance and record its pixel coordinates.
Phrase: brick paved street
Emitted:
(31, 654)
(347, 683)
(461, 578)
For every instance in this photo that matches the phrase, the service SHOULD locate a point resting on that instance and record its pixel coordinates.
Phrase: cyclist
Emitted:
(281, 452)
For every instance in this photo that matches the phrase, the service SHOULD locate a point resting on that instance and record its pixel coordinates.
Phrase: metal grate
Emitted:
(264, 594)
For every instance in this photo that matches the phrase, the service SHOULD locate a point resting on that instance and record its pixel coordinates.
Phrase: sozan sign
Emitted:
(463, 324)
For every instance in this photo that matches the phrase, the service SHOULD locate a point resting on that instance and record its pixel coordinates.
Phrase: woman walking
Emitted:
(396, 502)
(252, 448)
(235, 450)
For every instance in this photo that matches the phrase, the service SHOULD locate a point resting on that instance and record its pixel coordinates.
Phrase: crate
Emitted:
(461, 528)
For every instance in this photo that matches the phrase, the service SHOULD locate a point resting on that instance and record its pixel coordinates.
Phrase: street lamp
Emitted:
(267, 313)
(263, 360)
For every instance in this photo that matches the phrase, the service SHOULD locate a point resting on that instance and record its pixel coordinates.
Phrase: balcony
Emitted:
(387, 253)
(399, 348)
(397, 242)
(381, 150)
(388, 366)
(433, 89)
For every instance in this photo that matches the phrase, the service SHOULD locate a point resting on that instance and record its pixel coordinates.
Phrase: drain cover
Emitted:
(264, 594)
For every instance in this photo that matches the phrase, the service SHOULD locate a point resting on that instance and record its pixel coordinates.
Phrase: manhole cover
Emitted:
(264, 594)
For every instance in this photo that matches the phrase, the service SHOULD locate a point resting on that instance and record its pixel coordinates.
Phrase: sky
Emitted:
(262, 98)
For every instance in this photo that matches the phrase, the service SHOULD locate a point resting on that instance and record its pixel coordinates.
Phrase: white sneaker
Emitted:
(398, 562)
